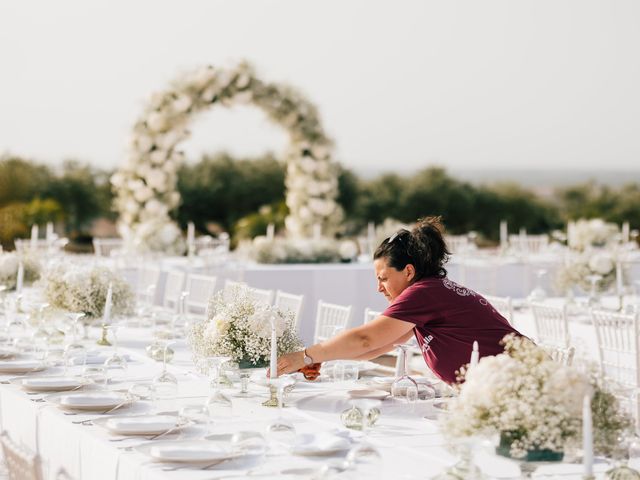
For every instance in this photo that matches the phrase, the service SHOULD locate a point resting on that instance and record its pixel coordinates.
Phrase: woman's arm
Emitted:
(350, 344)
(387, 348)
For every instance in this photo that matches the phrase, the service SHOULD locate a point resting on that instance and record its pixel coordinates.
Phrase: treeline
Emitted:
(243, 195)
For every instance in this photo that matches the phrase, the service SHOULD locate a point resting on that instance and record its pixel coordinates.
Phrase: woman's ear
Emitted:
(410, 272)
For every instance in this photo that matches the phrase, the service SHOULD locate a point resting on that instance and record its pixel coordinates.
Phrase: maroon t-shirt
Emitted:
(448, 318)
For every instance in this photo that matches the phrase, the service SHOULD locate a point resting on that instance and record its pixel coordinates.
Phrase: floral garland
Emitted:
(145, 186)
(290, 250)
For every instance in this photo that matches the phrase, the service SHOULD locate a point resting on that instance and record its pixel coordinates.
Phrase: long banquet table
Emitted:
(410, 444)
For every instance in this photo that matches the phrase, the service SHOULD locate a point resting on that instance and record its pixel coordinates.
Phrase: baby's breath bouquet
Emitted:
(532, 402)
(292, 250)
(9, 263)
(84, 289)
(240, 327)
(577, 269)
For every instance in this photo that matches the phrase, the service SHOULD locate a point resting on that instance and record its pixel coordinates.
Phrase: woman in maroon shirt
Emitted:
(445, 317)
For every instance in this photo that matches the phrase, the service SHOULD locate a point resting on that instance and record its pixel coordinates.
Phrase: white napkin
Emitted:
(96, 358)
(97, 398)
(317, 443)
(20, 364)
(189, 452)
(152, 423)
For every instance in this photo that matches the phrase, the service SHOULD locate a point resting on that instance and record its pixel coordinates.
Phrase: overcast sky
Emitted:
(399, 84)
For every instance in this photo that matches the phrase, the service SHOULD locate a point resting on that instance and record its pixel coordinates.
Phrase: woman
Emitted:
(445, 317)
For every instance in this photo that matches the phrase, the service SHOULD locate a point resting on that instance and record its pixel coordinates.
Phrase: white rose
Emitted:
(158, 157)
(157, 121)
(202, 77)
(169, 233)
(601, 263)
(209, 93)
(157, 180)
(155, 207)
(348, 249)
(170, 139)
(182, 103)
(131, 206)
(143, 194)
(144, 143)
(117, 179)
(243, 98)
(243, 80)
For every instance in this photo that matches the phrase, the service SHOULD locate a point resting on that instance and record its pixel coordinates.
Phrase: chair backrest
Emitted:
(63, 475)
(370, 314)
(105, 247)
(552, 327)
(200, 288)
(261, 295)
(173, 287)
(22, 464)
(529, 243)
(503, 305)
(563, 356)
(290, 302)
(457, 243)
(617, 336)
(330, 318)
(148, 278)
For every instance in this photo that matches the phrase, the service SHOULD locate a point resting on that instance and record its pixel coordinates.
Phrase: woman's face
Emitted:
(392, 282)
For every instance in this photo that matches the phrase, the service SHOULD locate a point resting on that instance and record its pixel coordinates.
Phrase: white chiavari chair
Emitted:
(458, 243)
(290, 302)
(503, 305)
(173, 288)
(106, 247)
(552, 327)
(22, 464)
(147, 283)
(330, 318)
(563, 356)
(200, 289)
(529, 243)
(370, 314)
(619, 354)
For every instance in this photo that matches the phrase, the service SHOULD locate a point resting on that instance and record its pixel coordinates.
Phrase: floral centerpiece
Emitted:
(292, 250)
(238, 326)
(9, 264)
(576, 270)
(585, 234)
(532, 402)
(84, 289)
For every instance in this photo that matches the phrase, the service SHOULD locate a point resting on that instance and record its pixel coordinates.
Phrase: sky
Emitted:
(399, 84)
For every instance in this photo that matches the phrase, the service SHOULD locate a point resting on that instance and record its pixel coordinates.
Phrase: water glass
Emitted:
(198, 414)
(164, 396)
(351, 372)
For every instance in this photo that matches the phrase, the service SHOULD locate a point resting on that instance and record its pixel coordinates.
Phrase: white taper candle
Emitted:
(273, 363)
(20, 278)
(106, 316)
(587, 437)
(475, 355)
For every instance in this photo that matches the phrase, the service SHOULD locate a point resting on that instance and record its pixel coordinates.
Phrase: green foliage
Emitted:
(256, 224)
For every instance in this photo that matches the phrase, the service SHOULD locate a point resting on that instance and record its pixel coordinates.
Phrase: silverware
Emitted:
(192, 467)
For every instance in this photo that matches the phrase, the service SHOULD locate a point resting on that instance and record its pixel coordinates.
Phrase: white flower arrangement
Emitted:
(84, 289)
(145, 186)
(577, 268)
(240, 327)
(290, 250)
(9, 264)
(528, 398)
(585, 234)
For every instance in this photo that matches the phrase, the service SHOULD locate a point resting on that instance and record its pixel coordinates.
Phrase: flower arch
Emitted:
(145, 185)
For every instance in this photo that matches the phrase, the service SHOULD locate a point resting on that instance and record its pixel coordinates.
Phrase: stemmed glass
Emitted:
(538, 294)
(594, 299)
(404, 385)
(115, 360)
(74, 318)
(281, 432)
(364, 456)
(218, 403)
(165, 376)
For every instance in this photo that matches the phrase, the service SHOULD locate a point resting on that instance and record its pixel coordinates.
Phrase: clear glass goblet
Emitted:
(165, 376)
(364, 457)
(594, 297)
(539, 294)
(403, 381)
(281, 432)
(218, 402)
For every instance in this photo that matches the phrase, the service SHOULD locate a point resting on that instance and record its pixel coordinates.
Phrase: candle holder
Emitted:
(104, 341)
(273, 400)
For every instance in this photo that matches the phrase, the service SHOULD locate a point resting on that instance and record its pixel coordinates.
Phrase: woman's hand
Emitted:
(291, 362)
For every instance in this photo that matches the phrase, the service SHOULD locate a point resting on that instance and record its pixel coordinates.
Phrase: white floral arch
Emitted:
(145, 185)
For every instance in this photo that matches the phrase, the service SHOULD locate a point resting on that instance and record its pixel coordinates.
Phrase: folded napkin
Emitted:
(88, 399)
(96, 358)
(202, 451)
(51, 382)
(20, 364)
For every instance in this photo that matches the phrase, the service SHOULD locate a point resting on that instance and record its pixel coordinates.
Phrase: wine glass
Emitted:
(198, 414)
(165, 376)
(115, 361)
(364, 456)
(594, 298)
(218, 403)
(74, 318)
(281, 433)
(403, 385)
(538, 294)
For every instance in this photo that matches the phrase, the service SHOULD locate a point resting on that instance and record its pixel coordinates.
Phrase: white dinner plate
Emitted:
(21, 366)
(50, 383)
(141, 424)
(368, 393)
(193, 452)
(91, 401)
(319, 444)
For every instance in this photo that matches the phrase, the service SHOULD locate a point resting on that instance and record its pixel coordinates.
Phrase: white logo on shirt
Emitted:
(459, 289)
(425, 345)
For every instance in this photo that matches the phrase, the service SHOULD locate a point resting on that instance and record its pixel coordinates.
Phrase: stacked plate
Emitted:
(17, 367)
(97, 401)
(320, 444)
(195, 452)
(142, 424)
(50, 383)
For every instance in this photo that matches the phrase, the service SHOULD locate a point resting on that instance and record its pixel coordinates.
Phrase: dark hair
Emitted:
(423, 247)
